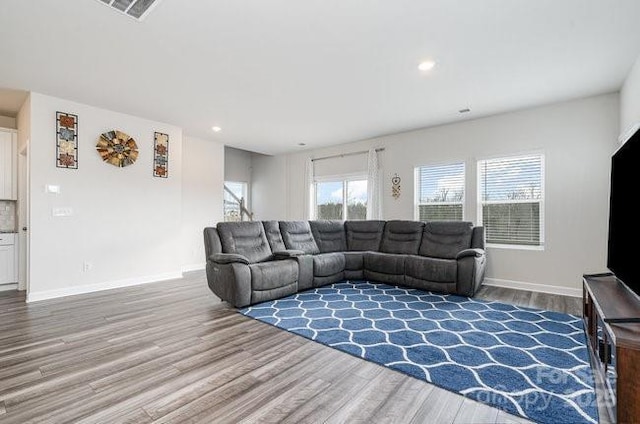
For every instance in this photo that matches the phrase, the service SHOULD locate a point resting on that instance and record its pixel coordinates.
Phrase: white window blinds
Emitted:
(511, 194)
(440, 192)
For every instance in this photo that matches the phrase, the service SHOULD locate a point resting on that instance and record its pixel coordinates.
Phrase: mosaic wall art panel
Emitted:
(160, 155)
(66, 140)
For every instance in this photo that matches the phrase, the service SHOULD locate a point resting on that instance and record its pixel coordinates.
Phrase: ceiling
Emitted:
(276, 73)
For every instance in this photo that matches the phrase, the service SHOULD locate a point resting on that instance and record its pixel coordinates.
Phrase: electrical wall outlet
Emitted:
(68, 211)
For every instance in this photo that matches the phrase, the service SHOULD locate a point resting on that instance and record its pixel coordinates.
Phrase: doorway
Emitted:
(23, 218)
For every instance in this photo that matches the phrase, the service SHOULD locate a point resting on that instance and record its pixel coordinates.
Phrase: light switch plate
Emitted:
(51, 188)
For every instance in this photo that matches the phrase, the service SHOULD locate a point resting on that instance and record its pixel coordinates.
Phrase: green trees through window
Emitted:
(440, 193)
(511, 193)
(341, 200)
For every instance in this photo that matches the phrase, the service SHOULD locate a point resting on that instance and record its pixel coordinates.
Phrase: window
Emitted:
(440, 192)
(511, 195)
(232, 209)
(341, 199)
(357, 199)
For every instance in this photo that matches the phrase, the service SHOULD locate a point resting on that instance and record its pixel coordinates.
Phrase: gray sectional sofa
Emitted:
(252, 262)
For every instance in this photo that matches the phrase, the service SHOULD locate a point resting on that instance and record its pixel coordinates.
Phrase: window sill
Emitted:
(516, 247)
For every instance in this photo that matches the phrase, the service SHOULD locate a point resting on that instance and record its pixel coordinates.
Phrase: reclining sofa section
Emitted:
(252, 262)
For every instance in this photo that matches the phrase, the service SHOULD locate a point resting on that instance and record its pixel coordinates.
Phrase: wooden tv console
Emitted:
(611, 315)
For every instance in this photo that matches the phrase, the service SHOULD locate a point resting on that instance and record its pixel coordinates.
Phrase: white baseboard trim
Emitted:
(108, 285)
(541, 288)
(193, 267)
(9, 286)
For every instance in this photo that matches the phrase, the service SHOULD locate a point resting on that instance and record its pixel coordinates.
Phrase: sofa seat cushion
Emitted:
(297, 236)
(431, 269)
(353, 261)
(274, 274)
(326, 264)
(385, 263)
(364, 235)
(329, 235)
(444, 239)
(402, 237)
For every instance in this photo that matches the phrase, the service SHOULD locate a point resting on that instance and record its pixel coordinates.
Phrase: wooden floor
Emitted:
(172, 352)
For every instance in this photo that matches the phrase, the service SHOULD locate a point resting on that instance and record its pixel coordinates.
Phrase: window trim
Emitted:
(542, 201)
(344, 179)
(417, 187)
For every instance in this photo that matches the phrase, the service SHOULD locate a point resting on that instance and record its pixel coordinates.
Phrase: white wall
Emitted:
(269, 188)
(630, 99)
(125, 222)
(577, 138)
(237, 165)
(7, 122)
(202, 181)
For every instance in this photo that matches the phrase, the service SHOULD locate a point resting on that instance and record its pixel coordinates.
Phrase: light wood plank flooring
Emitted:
(172, 352)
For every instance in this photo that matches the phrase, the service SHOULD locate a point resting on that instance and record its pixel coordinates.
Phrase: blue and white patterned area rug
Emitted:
(527, 362)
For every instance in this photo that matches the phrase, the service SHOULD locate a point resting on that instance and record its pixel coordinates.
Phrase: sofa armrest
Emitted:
(470, 273)
(478, 253)
(228, 258)
(287, 254)
(231, 282)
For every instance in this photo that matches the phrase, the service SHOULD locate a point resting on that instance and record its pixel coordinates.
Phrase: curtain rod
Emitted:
(380, 149)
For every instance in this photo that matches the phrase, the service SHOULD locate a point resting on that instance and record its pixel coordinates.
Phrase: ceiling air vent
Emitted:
(137, 9)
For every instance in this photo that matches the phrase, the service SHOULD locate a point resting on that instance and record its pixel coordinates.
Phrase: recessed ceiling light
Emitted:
(216, 129)
(427, 65)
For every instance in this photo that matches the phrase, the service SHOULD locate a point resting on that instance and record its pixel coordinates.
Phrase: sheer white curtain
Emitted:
(374, 196)
(309, 212)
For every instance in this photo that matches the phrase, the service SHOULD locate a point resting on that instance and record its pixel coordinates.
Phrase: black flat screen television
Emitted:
(623, 258)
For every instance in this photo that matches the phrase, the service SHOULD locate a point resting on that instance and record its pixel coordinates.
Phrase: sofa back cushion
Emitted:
(297, 236)
(402, 237)
(364, 235)
(245, 238)
(444, 239)
(272, 229)
(329, 235)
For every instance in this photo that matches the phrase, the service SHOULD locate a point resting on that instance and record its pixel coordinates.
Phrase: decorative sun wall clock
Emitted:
(117, 148)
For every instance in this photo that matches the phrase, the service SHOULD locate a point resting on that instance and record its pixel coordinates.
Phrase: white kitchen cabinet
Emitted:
(8, 268)
(8, 164)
